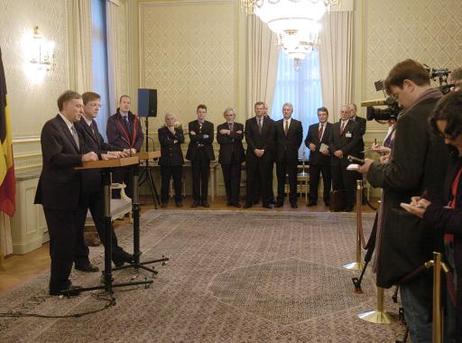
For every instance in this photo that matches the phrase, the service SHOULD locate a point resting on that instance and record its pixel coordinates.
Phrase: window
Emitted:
(100, 66)
(300, 85)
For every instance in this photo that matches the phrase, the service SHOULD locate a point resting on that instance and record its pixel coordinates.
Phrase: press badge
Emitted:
(348, 135)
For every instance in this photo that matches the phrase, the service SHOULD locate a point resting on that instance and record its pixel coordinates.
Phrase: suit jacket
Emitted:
(59, 183)
(361, 122)
(231, 148)
(118, 135)
(348, 141)
(92, 141)
(287, 146)
(316, 158)
(418, 163)
(202, 139)
(257, 140)
(170, 146)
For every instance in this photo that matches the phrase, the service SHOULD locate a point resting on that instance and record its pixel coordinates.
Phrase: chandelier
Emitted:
(295, 22)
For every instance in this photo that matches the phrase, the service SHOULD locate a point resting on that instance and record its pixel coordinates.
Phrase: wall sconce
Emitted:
(41, 51)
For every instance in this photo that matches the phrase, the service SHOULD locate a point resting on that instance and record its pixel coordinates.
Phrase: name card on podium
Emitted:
(115, 163)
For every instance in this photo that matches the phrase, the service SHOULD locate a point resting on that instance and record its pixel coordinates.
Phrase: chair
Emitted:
(119, 207)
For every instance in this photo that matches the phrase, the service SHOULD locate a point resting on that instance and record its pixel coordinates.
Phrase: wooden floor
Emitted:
(18, 269)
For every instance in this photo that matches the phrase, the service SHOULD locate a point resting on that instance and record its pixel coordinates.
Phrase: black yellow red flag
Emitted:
(7, 178)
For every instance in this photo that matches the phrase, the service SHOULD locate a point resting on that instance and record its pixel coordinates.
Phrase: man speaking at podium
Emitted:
(59, 187)
(92, 196)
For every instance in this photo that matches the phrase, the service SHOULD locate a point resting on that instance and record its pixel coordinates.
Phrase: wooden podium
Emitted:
(137, 264)
(106, 168)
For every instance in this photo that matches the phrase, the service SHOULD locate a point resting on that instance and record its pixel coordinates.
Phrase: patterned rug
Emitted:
(234, 276)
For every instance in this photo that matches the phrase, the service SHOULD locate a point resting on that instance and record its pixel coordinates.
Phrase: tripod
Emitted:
(146, 175)
(136, 233)
(108, 284)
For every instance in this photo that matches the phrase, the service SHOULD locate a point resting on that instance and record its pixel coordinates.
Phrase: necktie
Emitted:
(75, 136)
(230, 125)
(93, 130)
(342, 126)
(286, 126)
(127, 123)
(321, 128)
(260, 125)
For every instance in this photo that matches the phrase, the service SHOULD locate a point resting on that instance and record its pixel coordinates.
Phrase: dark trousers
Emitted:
(259, 169)
(287, 169)
(315, 171)
(343, 179)
(62, 228)
(123, 175)
(95, 203)
(232, 178)
(200, 174)
(168, 172)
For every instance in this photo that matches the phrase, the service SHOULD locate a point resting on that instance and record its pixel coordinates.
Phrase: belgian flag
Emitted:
(7, 179)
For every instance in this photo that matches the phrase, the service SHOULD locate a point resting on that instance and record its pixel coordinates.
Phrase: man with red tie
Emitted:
(317, 141)
(124, 132)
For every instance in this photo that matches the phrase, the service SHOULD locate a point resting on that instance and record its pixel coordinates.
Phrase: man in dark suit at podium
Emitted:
(289, 137)
(317, 141)
(345, 140)
(259, 134)
(59, 187)
(200, 153)
(92, 194)
(124, 132)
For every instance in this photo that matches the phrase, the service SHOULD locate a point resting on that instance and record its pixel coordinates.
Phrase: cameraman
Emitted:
(417, 164)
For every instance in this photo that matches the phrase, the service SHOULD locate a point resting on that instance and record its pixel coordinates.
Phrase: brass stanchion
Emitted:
(437, 314)
(358, 264)
(378, 316)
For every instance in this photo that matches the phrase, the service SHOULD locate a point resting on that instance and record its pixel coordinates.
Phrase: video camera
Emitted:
(392, 110)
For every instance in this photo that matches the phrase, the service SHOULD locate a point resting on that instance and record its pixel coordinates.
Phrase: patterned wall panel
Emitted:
(188, 54)
(32, 104)
(429, 31)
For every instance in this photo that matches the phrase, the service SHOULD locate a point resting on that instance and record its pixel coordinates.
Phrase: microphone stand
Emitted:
(146, 175)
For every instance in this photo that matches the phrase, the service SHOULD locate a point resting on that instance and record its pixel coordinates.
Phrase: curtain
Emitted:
(112, 32)
(6, 245)
(81, 11)
(336, 50)
(262, 60)
(299, 83)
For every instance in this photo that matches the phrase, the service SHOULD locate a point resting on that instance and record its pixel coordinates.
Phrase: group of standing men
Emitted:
(268, 142)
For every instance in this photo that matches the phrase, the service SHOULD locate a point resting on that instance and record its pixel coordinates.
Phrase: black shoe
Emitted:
(293, 204)
(348, 209)
(72, 291)
(279, 204)
(268, 206)
(164, 205)
(195, 204)
(248, 205)
(179, 204)
(311, 204)
(87, 268)
(236, 204)
(205, 204)
(255, 202)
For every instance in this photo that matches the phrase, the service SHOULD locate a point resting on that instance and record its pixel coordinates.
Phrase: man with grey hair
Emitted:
(288, 137)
